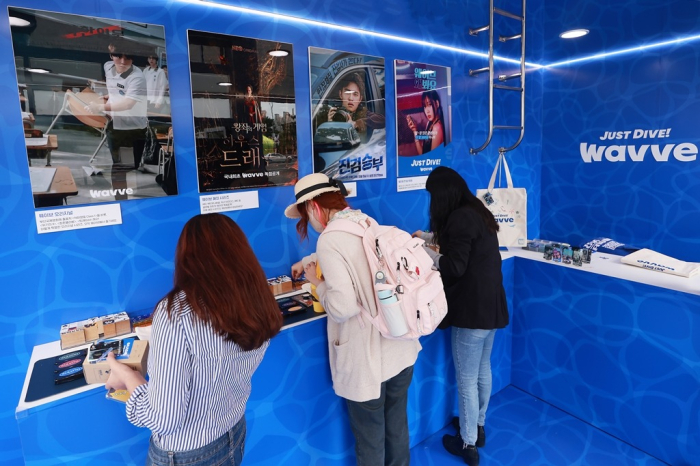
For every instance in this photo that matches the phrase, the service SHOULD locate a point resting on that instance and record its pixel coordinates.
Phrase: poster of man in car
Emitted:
(348, 109)
(244, 112)
(423, 117)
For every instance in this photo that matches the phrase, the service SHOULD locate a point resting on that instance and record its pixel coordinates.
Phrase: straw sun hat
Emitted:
(311, 186)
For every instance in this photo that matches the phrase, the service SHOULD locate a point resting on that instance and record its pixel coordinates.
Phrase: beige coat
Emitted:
(360, 357)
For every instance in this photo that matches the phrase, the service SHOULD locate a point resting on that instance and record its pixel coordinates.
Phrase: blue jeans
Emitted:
(471, 350)
(226, 450)
(381, 426)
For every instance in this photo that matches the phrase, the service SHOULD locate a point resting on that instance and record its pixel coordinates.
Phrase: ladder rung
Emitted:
(475, 31)
(508, 127)
(507, 14)
(479, 71)
(508, 88)
(507, 38)
(506, 77)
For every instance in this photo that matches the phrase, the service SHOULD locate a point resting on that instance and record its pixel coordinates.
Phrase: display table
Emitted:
(611, 344)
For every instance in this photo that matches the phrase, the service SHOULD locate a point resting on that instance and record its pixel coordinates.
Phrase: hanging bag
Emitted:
(508, 205)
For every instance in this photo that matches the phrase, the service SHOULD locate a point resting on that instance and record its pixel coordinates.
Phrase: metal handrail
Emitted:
(502, 78)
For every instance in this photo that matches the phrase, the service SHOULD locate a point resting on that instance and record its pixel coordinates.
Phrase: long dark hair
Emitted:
(332, 200)
(448, 192)
(223, 282)
(431, 98)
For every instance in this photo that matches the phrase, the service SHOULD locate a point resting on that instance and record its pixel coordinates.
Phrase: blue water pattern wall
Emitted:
(620, 134)
(51, 279)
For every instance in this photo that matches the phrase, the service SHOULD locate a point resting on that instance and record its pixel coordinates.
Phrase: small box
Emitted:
(73, 334)
(281, 284)
(93, 329)
(132, 352)
(116, 324)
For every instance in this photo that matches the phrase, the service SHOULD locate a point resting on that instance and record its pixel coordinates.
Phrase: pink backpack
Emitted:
(409, 293)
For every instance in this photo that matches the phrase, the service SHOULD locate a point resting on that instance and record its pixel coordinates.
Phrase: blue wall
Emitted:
(648, 203)
(55, 278)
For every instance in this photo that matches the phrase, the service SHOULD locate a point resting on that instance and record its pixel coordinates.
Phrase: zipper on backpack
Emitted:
(432, 311)
(418, 323)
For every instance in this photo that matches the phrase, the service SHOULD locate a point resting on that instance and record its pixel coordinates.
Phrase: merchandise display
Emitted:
(94, 328)
(281, 284)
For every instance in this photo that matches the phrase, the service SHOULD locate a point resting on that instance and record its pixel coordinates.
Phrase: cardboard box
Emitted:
(116, 324)
(281, 284)
(93, 329)
(73, 334)
(133, 353)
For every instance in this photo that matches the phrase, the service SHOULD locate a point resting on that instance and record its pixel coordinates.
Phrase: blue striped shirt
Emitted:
(198, 385)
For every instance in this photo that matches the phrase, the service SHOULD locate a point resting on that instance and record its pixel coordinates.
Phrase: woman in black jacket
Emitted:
(470, 264)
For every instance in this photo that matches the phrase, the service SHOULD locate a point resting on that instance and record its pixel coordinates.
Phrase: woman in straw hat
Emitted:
(371, 372)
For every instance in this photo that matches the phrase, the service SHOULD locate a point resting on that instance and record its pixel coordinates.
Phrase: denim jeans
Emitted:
(381, 426)
(226, 450)
(471, 350)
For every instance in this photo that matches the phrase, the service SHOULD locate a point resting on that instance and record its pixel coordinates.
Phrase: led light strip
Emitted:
(624, 51)
(337, 27)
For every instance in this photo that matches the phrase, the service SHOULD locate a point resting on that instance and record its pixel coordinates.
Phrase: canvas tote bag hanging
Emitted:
(508, 205)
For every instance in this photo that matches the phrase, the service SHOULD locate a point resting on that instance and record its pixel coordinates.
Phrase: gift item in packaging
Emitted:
(652, 260)
(132, 352)
(281, 284)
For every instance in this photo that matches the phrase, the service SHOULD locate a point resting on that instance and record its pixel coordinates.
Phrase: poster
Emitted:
(348, 114)
(244, 112)
(423, 117)
(94, 103)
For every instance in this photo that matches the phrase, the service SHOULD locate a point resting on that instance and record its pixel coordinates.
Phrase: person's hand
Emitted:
(417, 234)
(411, 123)
(331, 113)
(310, 272)
(297, 270)
(121, 376)
(95, 108)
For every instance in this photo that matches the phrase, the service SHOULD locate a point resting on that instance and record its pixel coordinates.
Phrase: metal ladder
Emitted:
(503, 78)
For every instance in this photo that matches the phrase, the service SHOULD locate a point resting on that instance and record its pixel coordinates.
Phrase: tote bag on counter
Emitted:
(508, 205)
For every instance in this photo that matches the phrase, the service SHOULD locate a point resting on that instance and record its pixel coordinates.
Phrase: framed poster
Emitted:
(347, 113)
(423, 117)
(96, 125)
(244, 112)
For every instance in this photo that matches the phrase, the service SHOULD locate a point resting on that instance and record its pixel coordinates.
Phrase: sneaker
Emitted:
(480, 433)
(454, 445)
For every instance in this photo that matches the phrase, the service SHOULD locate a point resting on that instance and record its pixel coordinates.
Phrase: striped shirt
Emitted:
(198, 385)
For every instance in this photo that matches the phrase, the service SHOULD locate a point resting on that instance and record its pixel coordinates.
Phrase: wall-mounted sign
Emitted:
(347, 113)
(95, 108)
(244, 112)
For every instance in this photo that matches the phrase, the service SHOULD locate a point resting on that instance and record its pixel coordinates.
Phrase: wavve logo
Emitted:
(110, 192)
(684, 152)
(505, 220)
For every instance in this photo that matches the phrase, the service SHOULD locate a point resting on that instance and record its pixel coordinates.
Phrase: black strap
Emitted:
(331, 184)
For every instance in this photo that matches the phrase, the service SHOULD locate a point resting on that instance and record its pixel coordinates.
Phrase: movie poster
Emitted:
(423, 117)
(347, 112)
(94, 100)
(244, 112)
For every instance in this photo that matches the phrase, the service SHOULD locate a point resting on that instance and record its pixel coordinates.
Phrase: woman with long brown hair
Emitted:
(371, 372)
(209, 335)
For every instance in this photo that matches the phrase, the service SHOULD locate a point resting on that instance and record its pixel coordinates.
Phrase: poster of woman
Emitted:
(244, 112)
(423, 120)
(347, 114)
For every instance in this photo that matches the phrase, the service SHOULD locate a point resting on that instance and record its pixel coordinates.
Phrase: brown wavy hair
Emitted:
(223, 282)
(333, 200)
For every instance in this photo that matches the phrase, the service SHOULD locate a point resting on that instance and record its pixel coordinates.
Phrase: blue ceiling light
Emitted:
(600, 56)
(338, 27)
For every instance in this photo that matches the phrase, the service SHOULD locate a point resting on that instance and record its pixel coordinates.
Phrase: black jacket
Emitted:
(471, 273)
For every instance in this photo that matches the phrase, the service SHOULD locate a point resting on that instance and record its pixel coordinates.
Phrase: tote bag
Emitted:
(508, 205)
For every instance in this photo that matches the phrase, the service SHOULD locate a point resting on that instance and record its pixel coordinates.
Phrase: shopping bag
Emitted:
(508, 205)
(652, 260)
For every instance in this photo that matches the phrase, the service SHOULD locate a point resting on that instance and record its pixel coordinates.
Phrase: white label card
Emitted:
(227, 202)
(412, 183)
(77, 218)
